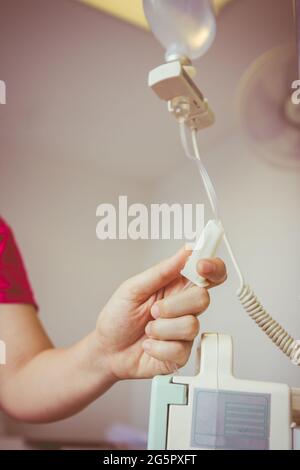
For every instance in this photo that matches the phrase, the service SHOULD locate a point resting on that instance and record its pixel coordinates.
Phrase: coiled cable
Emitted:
(272, 328)
(285, 342)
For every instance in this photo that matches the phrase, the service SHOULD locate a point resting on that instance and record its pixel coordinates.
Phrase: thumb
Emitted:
(160, 275)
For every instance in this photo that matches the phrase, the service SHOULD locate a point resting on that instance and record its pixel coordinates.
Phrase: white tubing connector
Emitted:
(206, 247)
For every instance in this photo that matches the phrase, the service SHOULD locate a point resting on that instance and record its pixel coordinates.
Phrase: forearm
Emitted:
(57, 383)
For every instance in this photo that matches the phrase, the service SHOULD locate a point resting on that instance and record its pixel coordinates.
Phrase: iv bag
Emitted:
(186, 28)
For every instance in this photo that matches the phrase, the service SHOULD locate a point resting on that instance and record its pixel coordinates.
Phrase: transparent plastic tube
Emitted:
(209, 188)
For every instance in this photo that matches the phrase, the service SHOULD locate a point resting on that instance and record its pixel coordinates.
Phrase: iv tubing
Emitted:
(211, 193)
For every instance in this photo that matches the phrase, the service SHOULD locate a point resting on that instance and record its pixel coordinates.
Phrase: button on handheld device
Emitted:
(206, 247)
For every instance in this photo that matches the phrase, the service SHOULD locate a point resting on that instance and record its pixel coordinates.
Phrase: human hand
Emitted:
(150, 322)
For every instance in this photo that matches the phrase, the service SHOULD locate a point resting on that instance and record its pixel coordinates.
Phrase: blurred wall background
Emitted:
(80, 127)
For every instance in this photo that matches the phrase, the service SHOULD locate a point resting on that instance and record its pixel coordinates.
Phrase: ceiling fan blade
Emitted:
(263, 95)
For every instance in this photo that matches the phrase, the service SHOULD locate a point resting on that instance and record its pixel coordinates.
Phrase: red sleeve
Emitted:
(14, 283)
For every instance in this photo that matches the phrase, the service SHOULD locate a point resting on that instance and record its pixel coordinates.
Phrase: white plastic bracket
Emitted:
(172, 82)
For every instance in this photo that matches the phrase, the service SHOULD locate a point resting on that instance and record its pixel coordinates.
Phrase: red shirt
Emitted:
(14, 283)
